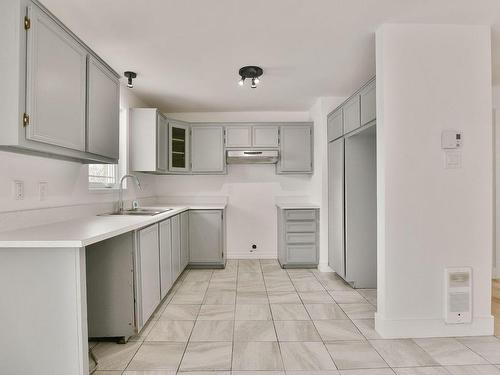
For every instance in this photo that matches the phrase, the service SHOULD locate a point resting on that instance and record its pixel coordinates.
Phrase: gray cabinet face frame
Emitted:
(281, 167)
(198, 149)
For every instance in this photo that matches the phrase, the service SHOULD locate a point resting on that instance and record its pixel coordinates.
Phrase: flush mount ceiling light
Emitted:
(250, 72)
(130, 76)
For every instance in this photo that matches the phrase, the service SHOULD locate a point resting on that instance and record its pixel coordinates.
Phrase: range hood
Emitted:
(252, 157)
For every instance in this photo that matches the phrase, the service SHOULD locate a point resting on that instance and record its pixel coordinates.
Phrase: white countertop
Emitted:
(296, 206)
(88, 230)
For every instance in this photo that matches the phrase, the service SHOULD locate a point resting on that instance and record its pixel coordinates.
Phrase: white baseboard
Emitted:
(249, 255)
(496, 273)
(324, 267)
(418, 328)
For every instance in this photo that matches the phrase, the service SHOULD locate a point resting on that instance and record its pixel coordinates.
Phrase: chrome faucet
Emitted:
(120, 193)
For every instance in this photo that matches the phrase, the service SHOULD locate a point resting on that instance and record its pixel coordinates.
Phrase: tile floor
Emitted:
(253, 318)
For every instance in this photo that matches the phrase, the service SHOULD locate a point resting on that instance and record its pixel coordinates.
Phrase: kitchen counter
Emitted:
(89, 230)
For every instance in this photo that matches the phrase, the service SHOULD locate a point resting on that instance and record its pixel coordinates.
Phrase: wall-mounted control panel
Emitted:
(451, 139)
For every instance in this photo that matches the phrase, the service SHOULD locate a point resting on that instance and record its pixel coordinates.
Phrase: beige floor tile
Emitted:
(112, 356)
(251, 286)
(296, 330)
(253, 312)
(220, 297)
(111, 372)
(257, 356)
(347, 296)
(367, 328)
(487, 347)
(222, 286)
(402, 353)
(289, 311)
(305, 356)
(333, 330)
(283, 297)
(141, 336)
(252, 298)
(212, 330)
(279, 286)
(193, 287)
(207, 356)
(254, 330)
(171, 330)
(203, 373)
(250, 277)
(327, 311)
(448, 351)
(318, 372)
(180, 312)
(473, 370)
(146, 373)
(434, 370)
(377, 371)
(354, 355)
(359, 310)
(157, 356)
(258, 372)
(249, 266)
(320, 296)
(216, 312)
(187, 298)
(336, 285)
(369, 294)
(307, 285)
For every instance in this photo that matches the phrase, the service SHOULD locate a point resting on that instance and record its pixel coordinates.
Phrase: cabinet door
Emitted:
(296, 149)
(207, 149)
(56, 84)
(335, 127)
(184, 239)
(368, 103)
(149, 271)
(265, 136)
(351, 111)
(103, 107)
(336, 240)
(238, 136)
(205, 236)
(178, 136)
(176, 247)
(161, 143)
(165, 257)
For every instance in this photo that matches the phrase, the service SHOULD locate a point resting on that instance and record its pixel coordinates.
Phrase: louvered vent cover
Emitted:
(458, 295)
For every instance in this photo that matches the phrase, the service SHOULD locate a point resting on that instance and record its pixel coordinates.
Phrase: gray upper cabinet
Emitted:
(207, 149)
(103, 104)
(57, 111)
(368, 96)
(351, 111)
(148, 141)
(265, 136)
(206, 232)
(239, 136)
(296, 150)
(166, 279)
(335, 125)
(178, 134)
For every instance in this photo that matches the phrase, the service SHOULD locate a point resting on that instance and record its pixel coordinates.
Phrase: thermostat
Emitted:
(451, 139)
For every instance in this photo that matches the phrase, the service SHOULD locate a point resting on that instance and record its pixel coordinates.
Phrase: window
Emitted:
(103, 176)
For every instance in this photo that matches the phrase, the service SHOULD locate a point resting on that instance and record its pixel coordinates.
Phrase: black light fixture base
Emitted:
(130, 76)
(251, 71)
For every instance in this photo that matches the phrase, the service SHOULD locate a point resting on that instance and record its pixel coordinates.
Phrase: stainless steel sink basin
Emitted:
(137, 212)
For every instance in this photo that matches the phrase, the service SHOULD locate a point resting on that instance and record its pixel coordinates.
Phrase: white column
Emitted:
(431, 78)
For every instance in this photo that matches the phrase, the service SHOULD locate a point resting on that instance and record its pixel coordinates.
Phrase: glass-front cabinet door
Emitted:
(179, 147)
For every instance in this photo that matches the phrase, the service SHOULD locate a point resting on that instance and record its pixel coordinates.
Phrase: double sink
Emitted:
(137, 212)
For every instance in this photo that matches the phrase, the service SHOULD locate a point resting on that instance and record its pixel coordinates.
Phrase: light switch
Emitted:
(42, 190)
(18, 190)
(453, 159)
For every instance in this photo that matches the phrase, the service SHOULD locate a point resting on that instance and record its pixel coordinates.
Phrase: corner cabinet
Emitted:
(178, 136)
(296, 149)
(206, 238)
(148, 141)
(78, 117)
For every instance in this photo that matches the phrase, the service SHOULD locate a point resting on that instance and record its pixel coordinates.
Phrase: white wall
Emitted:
(67, 181)
(251, 190)
(430, 78)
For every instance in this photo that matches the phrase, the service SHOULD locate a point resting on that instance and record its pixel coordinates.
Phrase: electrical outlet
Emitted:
(42, 190)
(18, 190)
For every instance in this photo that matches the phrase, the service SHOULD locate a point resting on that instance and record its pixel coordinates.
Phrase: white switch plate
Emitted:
(18, 190)
(42, 190)
(453, 159)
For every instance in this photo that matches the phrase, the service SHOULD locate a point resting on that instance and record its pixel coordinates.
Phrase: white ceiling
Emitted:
(187, 52)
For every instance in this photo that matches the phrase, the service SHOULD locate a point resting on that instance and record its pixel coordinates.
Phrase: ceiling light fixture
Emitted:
(250, 72)
(130, 76)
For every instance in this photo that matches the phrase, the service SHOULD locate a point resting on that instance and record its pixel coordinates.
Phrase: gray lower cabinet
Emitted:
(176, 247)
(148, 273)
(166, 279)
(207, 149)
(298, 237)
(206, 238)
(184, 228)
(296, 149)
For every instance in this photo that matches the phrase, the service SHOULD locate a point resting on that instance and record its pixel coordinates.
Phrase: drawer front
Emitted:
(301, 238)
(301, 254)
(300, 214)
(300, 226)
